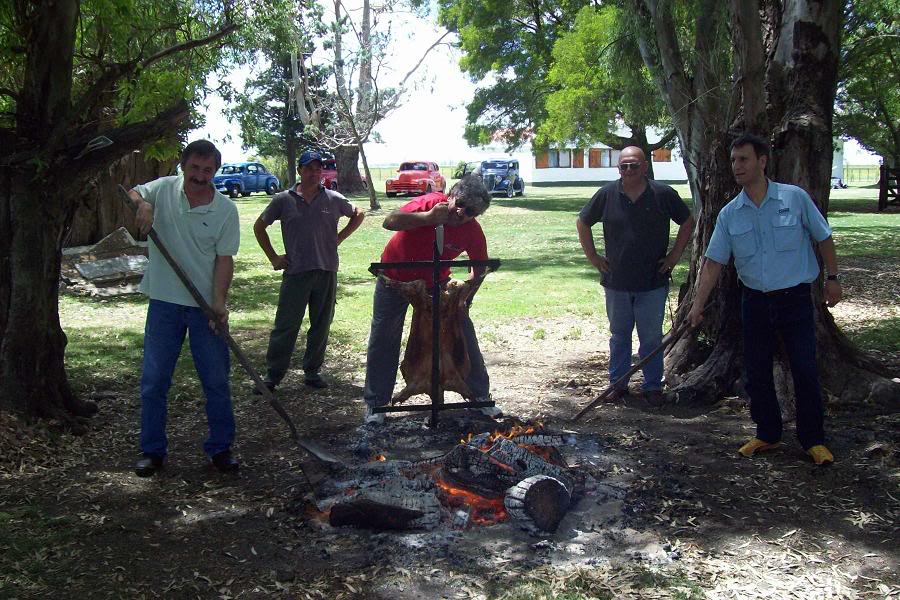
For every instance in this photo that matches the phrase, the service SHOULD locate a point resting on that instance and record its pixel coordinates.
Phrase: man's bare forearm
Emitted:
(223, 273)
(354, 223)
(401, 221)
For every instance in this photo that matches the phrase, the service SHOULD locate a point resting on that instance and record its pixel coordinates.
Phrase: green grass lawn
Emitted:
(543, 274)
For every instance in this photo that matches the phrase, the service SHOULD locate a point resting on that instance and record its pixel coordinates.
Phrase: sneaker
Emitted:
(494, 412)
(268, 384)
(820, 455)
(373, 418)
(756, 445)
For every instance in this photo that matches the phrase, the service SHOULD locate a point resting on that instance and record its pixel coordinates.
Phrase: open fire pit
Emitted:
(485, 479)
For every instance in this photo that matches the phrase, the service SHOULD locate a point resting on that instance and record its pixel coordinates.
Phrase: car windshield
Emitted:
(414, 166)
(229, 170)
(496, 165)
(329, 165)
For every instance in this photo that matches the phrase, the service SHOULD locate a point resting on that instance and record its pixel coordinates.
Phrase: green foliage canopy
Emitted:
(132, 60)
(601, 83)
(868, 100)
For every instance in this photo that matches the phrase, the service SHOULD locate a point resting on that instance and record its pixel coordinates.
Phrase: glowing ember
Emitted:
(483, 510)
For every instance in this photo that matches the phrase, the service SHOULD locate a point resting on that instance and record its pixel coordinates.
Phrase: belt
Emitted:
(775, 293)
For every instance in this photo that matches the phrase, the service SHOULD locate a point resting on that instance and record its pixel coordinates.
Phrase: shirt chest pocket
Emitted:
(786, 232)
(743, 239)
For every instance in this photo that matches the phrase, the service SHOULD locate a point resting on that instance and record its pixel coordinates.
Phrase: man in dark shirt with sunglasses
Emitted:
(636, 263)
(415, 224)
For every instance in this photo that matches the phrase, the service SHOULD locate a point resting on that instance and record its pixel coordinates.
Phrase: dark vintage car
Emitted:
(244, 178)
(416, 177)
(501, 176)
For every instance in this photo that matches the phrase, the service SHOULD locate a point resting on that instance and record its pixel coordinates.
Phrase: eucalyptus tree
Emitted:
(770, 68)
(82, 84)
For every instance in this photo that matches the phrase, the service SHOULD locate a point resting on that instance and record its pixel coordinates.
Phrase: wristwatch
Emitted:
(832, 277)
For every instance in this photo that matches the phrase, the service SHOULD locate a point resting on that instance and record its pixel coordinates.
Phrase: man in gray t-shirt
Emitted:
(309, 216)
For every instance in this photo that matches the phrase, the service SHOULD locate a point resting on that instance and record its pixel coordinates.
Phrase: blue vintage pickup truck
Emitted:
(244, 178)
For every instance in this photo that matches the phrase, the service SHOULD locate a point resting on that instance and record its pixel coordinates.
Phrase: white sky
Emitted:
(430, 123)
(428, 126)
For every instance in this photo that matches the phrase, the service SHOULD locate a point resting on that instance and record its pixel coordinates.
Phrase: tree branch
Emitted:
(424, 54)
(190, 45)
(117, 71)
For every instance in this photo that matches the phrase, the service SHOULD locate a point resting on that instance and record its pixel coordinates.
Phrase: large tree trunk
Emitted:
(101, 210)
(33, 378)
(349, 179)
(785, 74)
(702, 368)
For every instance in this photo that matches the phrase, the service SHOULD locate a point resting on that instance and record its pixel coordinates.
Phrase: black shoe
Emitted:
(268, 384)
(148, 465)
(318, 383)
(225, 463)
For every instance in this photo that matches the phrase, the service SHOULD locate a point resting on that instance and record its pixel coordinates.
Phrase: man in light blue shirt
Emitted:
(200, 228)
(769, 229)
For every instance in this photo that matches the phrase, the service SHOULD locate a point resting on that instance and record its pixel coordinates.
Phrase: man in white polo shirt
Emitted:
(769, 229)
(200, 228)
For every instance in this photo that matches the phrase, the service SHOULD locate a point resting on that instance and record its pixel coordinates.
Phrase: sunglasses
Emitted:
(630, 166)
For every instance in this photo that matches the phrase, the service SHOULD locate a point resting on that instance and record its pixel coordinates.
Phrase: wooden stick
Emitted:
(666, 341)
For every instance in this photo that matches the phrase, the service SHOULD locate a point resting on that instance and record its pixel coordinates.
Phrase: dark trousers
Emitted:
(788, 312)
(316, 289)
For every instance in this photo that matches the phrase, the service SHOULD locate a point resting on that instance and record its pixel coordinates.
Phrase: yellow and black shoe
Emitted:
(756, 445)
(820, 455)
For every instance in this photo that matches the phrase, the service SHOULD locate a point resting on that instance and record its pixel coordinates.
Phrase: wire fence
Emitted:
(861, 174)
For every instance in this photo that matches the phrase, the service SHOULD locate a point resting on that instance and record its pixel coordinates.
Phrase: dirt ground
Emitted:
(674, 512)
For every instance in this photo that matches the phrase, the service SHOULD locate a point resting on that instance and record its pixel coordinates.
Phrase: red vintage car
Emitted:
(329, 174)
(416, 177)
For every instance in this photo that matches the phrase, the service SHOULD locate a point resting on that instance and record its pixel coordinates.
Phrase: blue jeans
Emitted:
(624, 310)
(788, 312)
(383, 355)
(164, 333)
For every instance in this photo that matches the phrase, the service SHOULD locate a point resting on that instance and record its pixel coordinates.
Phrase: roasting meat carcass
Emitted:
(455, 365)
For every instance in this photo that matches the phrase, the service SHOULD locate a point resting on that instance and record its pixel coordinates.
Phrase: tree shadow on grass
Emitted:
(869, 241)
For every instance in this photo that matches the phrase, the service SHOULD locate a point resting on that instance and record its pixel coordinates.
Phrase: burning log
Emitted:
(525, 463)
(468, 467)
(539, 501)
(416, 365)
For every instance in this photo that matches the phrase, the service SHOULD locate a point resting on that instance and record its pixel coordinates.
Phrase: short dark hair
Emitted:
(470, 189)
(204, 148)
(760, 145)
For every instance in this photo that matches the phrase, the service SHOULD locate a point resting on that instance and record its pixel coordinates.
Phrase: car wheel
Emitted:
(234, 191)
(271, 188)
(521, 191)
(510, 190)
(391, 194)
(428, 189)
(333, 186)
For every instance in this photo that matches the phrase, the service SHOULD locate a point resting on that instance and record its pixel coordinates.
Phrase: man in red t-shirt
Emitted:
(415, 224)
